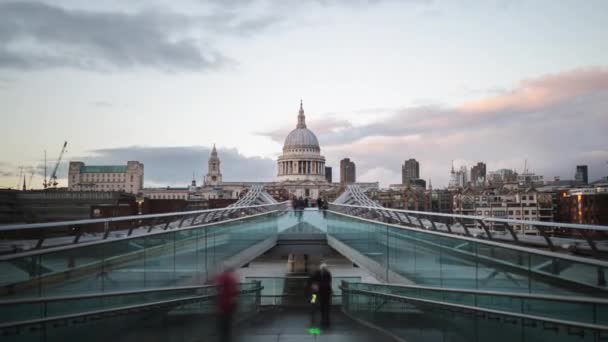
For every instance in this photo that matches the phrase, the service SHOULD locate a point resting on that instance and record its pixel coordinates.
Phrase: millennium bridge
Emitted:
(398, 275)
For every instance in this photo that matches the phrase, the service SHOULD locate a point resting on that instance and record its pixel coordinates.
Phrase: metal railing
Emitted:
(278, 292)
(393, 304)
(580, 309)
(18, 326)
(30, 308)
(17, 238)
(393, 250)
(584, 238)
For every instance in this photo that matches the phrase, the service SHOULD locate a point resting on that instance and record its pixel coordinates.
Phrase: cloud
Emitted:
(553, 121)
(102, 104)
(4, 173)
(173, 166)
(5, 83)
(168, 36)
(533, 94)
(39, 36)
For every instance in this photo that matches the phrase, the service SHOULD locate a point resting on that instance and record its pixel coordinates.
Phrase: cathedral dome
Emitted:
(301, 139)
(301, 160)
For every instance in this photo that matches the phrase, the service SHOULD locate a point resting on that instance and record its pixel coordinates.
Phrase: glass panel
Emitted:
(159, 264)
(124, 265)
(71, 271)
(430, 259)
(414, 321)
(187, 267)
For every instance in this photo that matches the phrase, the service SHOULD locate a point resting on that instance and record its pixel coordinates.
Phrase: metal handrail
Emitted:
(12, 227)
(133, 307)
(483, 218)
(481, 310)
(537, 251)
(34, 300)
(570, 299)
(36, 251)
(544, 229)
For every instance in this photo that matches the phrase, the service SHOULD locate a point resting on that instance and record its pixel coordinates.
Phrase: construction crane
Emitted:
(19, 178)
(53, 179)
(30, 180)
(44, 183)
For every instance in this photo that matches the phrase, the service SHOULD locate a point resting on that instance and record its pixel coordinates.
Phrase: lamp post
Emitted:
(140, 200)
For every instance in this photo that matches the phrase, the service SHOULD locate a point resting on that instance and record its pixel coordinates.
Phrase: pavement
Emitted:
(294, 325)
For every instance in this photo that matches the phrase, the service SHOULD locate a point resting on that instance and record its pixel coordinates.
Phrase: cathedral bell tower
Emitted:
(214, 176)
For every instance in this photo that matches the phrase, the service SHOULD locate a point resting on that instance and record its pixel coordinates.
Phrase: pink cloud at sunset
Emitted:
(536, 93)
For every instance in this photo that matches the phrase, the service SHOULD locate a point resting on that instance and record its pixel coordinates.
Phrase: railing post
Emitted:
(592, 245)
(512, 231)
(601, 279)
(449, 227)
(419, 221)
(106, 229)
(485, 228)
(152, 224)
(542, 232)
(40, 241)
(181, 222)
(409, 220)
(432, 222)
(464, 226)
(78, 234)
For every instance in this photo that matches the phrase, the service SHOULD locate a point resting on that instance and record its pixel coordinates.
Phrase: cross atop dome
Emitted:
(301, 117)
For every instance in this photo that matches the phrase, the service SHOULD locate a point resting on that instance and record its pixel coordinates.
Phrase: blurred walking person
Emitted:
(321, 282)
(227, 300)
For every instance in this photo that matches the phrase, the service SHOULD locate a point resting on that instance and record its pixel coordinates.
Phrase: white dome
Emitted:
(301, 138)
(301, 160)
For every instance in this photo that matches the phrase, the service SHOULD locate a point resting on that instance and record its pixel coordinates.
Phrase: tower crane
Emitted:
(20, 175)
(53, 179)
(30, 180)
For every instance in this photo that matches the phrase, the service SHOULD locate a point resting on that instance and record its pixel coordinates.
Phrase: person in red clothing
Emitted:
(226, 302)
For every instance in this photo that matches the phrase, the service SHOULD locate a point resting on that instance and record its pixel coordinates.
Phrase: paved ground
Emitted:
(290, 324)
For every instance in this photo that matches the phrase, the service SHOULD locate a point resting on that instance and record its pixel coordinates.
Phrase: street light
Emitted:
(140, 201)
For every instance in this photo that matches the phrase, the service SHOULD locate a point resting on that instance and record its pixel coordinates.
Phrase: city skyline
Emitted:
(213, 73)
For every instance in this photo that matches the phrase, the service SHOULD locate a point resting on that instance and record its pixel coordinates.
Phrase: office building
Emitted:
(581, 174)
(348, 173)
(410, 170)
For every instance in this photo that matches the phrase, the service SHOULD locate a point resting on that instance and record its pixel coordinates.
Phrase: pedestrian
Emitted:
(227, 298)
(300, 207)
(321, 282)
(306, 202)
(319, 203)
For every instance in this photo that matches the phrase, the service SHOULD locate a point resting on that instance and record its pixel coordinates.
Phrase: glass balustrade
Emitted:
(174, 257)
(579, 309)
(436, 259)
(171, 314)
(283, 290)
(426, 320)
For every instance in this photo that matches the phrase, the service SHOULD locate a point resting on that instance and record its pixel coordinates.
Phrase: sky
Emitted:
(506, 82)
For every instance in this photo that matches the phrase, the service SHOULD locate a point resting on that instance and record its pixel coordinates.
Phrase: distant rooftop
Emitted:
(103, 169)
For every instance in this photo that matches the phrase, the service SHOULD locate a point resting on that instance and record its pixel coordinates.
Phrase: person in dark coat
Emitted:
(321, 284)
(227, 300)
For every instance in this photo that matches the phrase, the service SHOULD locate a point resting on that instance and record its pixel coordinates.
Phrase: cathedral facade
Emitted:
(300, 169)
